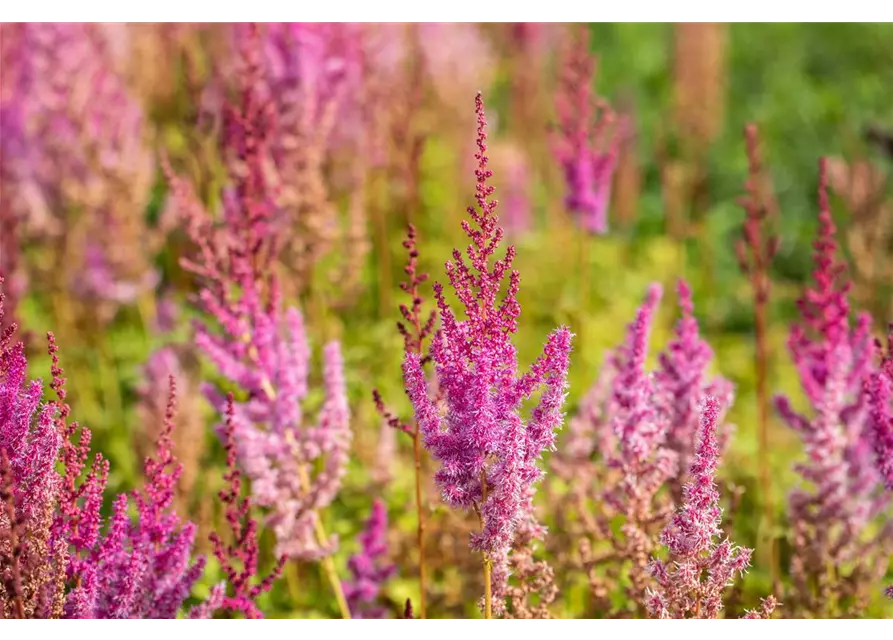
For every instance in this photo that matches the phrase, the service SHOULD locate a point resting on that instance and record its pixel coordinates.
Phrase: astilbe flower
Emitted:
(831, 512)
(515, 166)
(683, 383)
(260, 347)
(415, 329)
(189, 436)
(458, 59)
(486, 451)
(315, 75)
(641, 459)
(879, 390)
(88, 170)
(585, 141)
(369, 569)
(691, 583)
(63, 564)
(33, 562)
(239, 559)
(629, 438)
(143, 568)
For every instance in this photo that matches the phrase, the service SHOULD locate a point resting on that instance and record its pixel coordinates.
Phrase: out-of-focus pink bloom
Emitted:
(586, 139)
(87, 155)
(458, 59)
(684, 384)
(879, 389)
(486, 451)
(832, 359)
(692, 582)
(516, 206)
(368, 568)
(256, 343)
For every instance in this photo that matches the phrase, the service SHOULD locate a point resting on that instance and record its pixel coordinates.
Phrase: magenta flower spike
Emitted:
(683, 382)
(836, 502)
(487, 452)
(369, 568)
(586, 140)
(691, 583)
(640, 426)
(58, 558)
(295, 467)
(879, 389)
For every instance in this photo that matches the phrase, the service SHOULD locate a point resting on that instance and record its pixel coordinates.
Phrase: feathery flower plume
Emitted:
(87, 172)
(368, 568)
(487, 453)
(831, 511)
(239, 559)
(585, 141)
(691, 583)
(628, 438)
(415, 329)
(641, 460)
(259, 346)
(683, 384)
(63, 563)
(879, 389)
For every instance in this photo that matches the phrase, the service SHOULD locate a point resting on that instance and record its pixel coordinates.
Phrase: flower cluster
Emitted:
(486, 451)
(368, 568)
(586, 140)
(85, 170)
(260, 347)
(830, 513)
(58, 559)
(691, 585)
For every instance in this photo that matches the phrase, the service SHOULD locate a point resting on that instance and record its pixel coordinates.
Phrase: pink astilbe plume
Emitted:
(315, 75)
(486, 451)
(144, 568)
(65, 563)
(369, 569)
(879, 389)
(87, 169)
(632, 434)
(586, 141)
(639, 458)
(831, 510)
(683, 384)
(692, 582)
(239, 558)
(256, 344)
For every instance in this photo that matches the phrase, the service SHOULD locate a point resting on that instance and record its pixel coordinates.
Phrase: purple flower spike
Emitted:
(486, 451)
(368, 567)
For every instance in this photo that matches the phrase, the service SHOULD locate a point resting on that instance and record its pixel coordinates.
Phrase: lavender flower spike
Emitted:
(487, 453)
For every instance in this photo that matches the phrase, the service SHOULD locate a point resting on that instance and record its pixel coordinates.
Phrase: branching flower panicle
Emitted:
(831, 510)
(487, 453)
